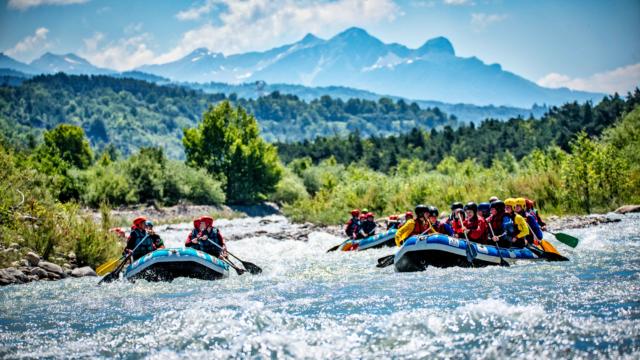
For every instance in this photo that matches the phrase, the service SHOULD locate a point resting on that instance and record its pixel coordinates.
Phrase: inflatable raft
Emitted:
(386, 238)
(168, 264)
(419, 252)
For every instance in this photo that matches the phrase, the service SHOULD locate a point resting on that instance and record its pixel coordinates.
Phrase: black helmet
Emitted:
(471, 206)
(498, 205)
(484, 206)
(456, 205)
(433, 211)
(421, 209)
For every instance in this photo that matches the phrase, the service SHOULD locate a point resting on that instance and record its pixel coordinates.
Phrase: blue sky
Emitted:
(587, 45)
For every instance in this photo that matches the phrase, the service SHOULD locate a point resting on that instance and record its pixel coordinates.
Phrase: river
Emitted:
(310, 304)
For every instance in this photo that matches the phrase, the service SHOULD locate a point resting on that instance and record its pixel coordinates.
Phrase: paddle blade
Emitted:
(386, 261)
(471, 252)
(107, 267)
(334, 248)
(111, 277)
(252, 268)
(567, 239)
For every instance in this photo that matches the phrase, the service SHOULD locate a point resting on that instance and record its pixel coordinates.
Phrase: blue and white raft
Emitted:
(168, 264)
(419, 252)
(386, 238)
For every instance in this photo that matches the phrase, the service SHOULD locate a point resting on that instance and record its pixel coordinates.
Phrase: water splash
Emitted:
(310, 304)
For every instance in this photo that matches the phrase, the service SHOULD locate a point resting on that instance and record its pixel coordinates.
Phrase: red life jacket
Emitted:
(477, 227)
(419, 227)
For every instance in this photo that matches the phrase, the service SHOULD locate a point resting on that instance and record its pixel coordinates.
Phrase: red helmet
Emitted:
(369, 214)
(139, 220)
(393, 217)
(408, 215)
(530, 204)
(363, 216)
(196, 223)
(208, 220)
(355, 212)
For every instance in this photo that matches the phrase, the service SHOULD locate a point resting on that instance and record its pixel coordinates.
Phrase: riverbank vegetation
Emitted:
(575, 159)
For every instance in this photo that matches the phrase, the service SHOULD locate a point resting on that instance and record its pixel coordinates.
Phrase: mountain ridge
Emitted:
(353, 58)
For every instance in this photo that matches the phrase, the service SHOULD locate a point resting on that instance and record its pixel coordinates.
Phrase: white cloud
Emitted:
(457, 2)
(29, 44)
(25, 4)
(481, 21)
(243, 24)
(91, 44)
(621, 80)
(195, 13)
(123, 54)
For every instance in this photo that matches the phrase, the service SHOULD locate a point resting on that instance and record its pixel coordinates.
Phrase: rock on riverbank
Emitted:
(32, 268)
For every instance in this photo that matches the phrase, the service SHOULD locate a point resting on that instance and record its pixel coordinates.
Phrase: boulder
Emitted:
(14, 275)
(53, 276)
(628, 209)
(83, 271)
(24, 263)
(14, 246)
(39, 272)
(71, 256)
(51, 267)
(33, 278)
(32, 258)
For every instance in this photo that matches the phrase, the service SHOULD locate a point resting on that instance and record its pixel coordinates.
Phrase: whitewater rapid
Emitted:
(311, 304)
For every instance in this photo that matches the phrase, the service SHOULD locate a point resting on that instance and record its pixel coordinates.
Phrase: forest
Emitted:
(131, 114)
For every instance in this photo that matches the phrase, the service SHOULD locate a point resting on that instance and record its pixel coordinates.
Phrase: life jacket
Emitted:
(420, 227)
(139, 241)
(442, 228)
(369, 227)
(457, 227)
(353, 225)
(208, 247)
(477, 227)
(192, 235)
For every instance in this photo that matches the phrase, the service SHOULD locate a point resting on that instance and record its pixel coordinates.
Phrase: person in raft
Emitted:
(392, 222)
(155, 238)
(438, 226)
(139, 243)
(204, 236)
(535, 232)
(368, 227)
(531, 208)
(475, 227)
(353, 225)
(521, 229)
(414, 227)
(500, 225)
(456, 224)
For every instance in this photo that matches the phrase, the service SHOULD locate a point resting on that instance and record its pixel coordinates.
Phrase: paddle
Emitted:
(238, 270)
(114, 274)
(470, 250)
(549, 251)
(566, 239)
(108, 266)
(338, 246)
(503, 262)
(251, 268)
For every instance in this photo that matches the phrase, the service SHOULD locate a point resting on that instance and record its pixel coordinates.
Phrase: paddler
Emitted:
(413, 227)
(521, 229)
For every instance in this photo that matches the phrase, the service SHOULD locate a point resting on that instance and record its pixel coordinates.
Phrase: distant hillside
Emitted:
(131, 113)
(466, 113)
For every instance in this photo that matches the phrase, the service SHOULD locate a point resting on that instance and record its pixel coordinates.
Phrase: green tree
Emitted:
(69, 143)
(228, 145)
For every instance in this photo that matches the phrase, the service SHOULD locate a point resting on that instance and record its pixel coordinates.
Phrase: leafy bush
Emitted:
(289, 189)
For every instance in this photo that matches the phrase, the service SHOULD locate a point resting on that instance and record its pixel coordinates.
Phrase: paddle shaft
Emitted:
(470, 256)
(502, 261)
(237, 269)
(119, 268)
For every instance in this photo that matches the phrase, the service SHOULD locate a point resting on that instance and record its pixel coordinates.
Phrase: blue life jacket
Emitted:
(143, 244)
(207, 246)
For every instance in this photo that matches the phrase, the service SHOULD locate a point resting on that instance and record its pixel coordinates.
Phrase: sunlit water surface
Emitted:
(310, 304)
